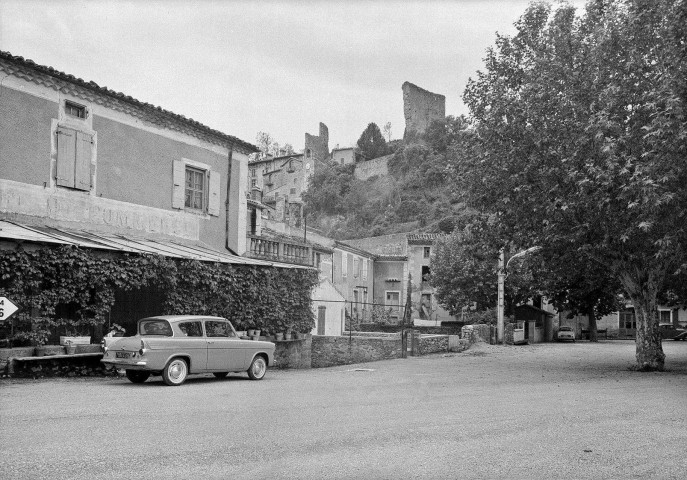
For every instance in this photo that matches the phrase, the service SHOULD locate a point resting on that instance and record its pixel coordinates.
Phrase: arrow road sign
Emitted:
(7, 308)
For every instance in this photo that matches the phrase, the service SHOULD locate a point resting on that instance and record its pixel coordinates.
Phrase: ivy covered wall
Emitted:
(68, 290)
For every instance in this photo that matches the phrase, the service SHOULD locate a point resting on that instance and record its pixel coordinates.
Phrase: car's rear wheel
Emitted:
(258, 368)
(175, 372)
(220, 374)
(136, 376)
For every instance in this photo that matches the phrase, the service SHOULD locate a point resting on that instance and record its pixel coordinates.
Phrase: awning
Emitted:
(122, 243)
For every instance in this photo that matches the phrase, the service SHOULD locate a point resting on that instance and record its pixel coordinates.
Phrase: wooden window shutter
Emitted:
(66, 156)
(214, 197)
(178, 184)
(82, 165)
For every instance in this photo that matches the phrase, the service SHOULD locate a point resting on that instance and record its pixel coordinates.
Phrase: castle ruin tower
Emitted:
(316, 150)
(421, 108)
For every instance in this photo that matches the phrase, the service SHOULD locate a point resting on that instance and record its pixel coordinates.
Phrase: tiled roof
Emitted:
(127, 244)
(91, 91)
(422, 238)
(398, 258)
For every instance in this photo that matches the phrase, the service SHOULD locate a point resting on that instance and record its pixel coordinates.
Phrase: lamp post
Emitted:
(503, 266)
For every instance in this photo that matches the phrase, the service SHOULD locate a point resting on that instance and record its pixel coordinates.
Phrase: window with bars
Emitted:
(74, 109)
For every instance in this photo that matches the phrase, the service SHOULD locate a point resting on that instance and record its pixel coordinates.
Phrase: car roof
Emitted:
(179, 318)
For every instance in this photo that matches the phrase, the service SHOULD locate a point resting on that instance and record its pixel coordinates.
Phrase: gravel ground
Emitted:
(548, 411)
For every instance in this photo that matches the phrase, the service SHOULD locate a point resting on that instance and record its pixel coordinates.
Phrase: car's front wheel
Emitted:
(258, 368)
(136, 376)
(175, 372)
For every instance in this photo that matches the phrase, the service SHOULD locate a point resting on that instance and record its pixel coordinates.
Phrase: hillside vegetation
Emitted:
(416, 196)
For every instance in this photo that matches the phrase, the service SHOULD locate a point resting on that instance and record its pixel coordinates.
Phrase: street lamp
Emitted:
(502, 280)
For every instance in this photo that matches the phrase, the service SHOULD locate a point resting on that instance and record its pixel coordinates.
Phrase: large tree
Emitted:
(577, 285)
(371, 142)
(580, 124)
(465, 268)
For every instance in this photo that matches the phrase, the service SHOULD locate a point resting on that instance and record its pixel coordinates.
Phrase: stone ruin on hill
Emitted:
(421, 108)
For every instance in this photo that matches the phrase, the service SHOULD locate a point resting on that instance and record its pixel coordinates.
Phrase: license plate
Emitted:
(122, 355)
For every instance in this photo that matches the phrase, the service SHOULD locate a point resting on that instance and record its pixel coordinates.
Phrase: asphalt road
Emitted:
(572, 411)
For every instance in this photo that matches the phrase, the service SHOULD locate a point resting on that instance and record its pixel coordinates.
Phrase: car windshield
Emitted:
(566, 329)
(155, 327)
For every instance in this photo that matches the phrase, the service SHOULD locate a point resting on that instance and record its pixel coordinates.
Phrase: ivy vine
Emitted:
(39, 281)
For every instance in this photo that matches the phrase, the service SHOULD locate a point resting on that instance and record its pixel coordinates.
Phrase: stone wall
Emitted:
(451, 329)
(331, 351)
(421, 108)
(432, 344)
(370, 168)
(293, 353)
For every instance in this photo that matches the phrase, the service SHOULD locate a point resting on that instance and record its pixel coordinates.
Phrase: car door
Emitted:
(225, 349)
(190, 340)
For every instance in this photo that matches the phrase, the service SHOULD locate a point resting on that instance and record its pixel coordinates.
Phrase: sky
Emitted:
(275, 66)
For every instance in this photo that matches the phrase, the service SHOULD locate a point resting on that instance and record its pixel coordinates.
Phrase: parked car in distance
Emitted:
(565, 334)
(681, 336)
(176, 345)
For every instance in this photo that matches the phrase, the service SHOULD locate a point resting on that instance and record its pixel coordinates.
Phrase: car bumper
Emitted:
(122, 362)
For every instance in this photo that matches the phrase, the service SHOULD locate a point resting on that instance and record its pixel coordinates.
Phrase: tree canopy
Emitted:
(371, 142)
(580, 143)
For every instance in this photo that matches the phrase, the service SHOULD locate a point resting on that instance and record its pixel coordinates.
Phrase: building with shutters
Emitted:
(74, 155)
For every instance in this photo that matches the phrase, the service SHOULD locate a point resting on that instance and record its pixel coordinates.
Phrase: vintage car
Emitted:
(565, 333)
(176, 345)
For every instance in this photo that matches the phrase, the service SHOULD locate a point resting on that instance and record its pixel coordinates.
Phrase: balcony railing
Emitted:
(279, 251)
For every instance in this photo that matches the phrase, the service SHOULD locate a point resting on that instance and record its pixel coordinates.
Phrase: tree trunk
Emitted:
(650, 354)
(643, 291)
(593, 332)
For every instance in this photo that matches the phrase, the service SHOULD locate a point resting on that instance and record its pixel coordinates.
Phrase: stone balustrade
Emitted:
(279, 251)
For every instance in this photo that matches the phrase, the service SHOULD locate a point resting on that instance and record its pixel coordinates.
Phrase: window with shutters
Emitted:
(196, 188)
(365, 269)
(344, 264)
(356, 266)
(74, 153)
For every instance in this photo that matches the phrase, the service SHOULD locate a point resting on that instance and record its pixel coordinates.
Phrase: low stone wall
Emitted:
(331, 351)
(453, 328)
(293, 353)
(371, 334)
(432, 344)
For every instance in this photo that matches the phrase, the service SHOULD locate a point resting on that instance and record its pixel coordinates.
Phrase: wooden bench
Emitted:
(11, 361)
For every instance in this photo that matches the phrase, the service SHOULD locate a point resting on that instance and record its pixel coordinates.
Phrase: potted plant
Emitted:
(70, 348)
(38, 337)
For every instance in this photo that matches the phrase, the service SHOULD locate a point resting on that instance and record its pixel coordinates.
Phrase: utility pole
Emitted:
(500, 327)
(500, 339)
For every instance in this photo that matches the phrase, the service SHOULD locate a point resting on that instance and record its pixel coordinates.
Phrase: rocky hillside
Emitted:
(415, 196)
